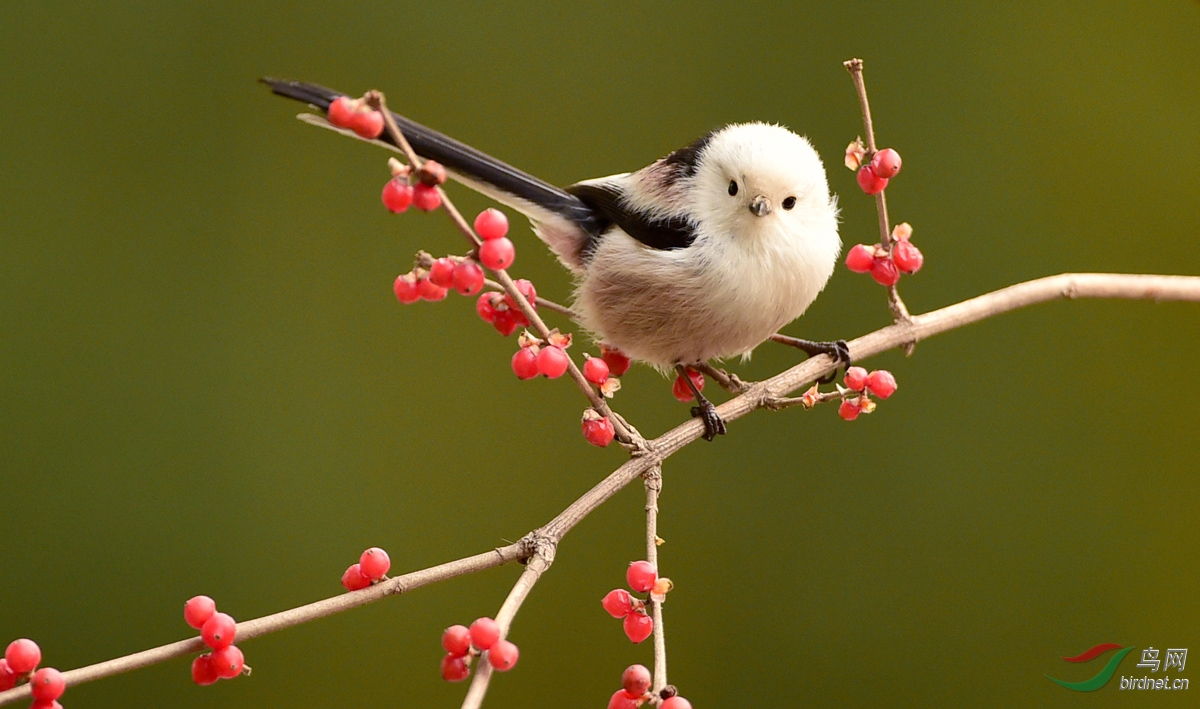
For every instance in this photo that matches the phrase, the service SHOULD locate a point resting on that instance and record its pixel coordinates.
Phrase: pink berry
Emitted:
(525, 288)
(525, 363)
(197, 610)
(621, 700)
(219, 631)
(8, 678)
(455, 669)
(881, 383)
(484, 633)
(441, 273)
(618, 603)
(886, 163)
(636, 680)
(680, 388)
(354, 579)
(641, 576)
(552, 362)
(406, 289)
(485, 306)
(869, 181)
(617, 362)
(849, 409)
(203, 672)
(598, 431)
(397, 195)
(595, 370)
(468, 278)
(675, 702)
(367, 124)
(908, 258)
(491, 224)
(457, 640)
(432, 173)
(43, 704)
(503, 655)
(497, 254)
(426, 198)
(884, 272)
(374, 563)
(856, 378)
(638, 626)
(430, 291)
(506, 322)
(341, 112)
(47, 684)
(23, 655)
(228, 661)
(860, 259)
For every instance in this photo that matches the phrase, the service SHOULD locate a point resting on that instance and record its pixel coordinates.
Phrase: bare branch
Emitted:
(653, 483)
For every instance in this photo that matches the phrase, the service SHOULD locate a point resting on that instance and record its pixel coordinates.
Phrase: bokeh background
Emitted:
(206, 385)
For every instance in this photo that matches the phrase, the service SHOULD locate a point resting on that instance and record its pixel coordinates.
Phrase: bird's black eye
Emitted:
(789, 203)
(732, 187)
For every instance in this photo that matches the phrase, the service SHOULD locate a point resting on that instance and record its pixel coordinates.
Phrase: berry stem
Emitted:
(653, 484)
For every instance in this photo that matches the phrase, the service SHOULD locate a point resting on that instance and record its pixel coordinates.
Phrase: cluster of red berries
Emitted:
(217, 630)
(880, 382)
(635, 690)
(356, 115)
(500, 310)
(463, 644)
(545, 357)
(372, 567)
(873, 176)
(680, 388)
(642, 577)
(886, 267)
(433, 283)
(399, 192)
(20, 662)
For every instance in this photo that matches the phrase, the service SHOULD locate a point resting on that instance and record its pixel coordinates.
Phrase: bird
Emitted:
(701, 255)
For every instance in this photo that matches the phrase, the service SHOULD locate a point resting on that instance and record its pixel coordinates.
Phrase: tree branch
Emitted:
(653, 483)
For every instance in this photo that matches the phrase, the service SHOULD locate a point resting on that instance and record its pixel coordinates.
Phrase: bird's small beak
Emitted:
(760, 206)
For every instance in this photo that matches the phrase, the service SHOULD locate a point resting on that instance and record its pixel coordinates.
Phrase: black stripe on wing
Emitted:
(605, 202)
(460, 158)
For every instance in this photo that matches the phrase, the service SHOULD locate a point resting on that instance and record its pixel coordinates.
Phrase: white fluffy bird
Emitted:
(701, 255)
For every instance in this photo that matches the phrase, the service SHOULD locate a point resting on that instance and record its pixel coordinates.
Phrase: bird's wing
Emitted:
(606, 197)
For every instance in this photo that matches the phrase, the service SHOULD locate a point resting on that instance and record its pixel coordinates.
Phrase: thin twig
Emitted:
(653, 483)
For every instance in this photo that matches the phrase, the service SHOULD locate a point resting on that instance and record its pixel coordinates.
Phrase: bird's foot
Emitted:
(838, 350)
(714, 425)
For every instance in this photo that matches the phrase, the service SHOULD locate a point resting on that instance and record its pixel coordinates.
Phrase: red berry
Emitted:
(441, 273)
(638, 626)
(856, 378)
(884, 272)
(484, 633)
(908, 258)
(641, 576)
(203, 672)
(468, 278)
(598, 431)
(23, 655)
(860, 259)
(552, 362)
(368, 124)
(374, 563)
(525, 363)
(455, 669)
(47, 684)
(430, 291)
(621, 700)
(881, 383)
(8, 678)
(198, 609)
(675, 702)
(491, 224)
(485, 308)
(595, 370)
(870, 182)
(341, 111)
(354, 579)
(849, 409)
(618, 603)
(497, 254)
(406, 289)
(397, 195)
(426, 198)
(636, 680)
(503, 655)
(525, 288)
(680, 388)
(886, 163)
(617, 362)
(228, 662)
(457, 640)
(219, 631)
(432, 173)
(506, 322)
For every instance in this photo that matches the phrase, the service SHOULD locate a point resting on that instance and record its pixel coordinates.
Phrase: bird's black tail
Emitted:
(536, 198)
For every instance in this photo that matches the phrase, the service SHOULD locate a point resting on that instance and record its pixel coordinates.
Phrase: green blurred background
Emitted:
(207, 386)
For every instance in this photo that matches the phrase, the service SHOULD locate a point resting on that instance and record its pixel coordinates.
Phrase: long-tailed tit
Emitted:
(701, 255)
